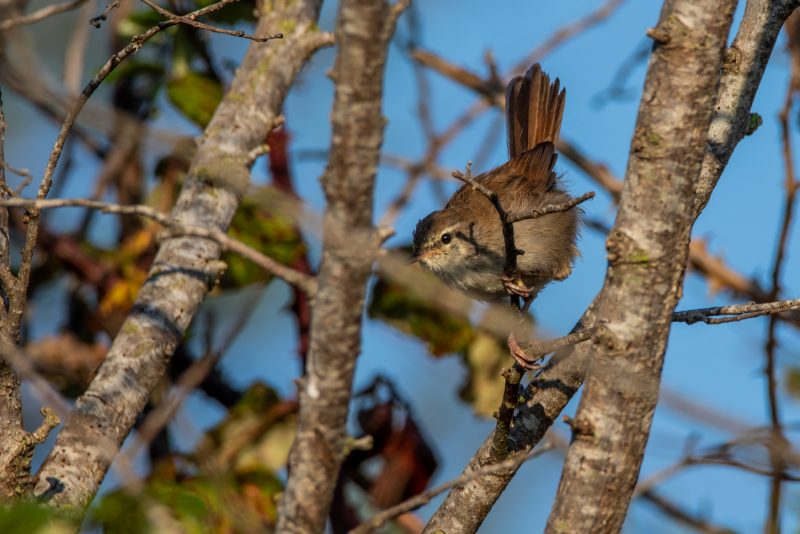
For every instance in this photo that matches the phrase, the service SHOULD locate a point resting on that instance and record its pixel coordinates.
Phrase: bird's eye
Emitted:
(446, 238)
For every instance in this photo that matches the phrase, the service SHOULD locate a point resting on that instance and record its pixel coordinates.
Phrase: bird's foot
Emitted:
(519, 289)
(516, 287)
(521, 356)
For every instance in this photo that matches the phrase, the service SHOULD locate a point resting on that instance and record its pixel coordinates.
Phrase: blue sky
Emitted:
(718, 367)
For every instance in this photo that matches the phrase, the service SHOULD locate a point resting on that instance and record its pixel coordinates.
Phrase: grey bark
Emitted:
(466, 507)
(186, 267)
(364, 29)
(10, 400)
(16, 452)
(648, 249)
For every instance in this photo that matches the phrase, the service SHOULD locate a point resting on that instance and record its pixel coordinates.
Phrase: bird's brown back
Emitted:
(534, 109)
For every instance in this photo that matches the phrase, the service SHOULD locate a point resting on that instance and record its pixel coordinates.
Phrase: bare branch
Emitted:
(564, 34)
(737, 312)
(102, 17)
(536, 350)
(75, 51)
(189, 20)
(682, 516)
(791, 184)
(491, 89)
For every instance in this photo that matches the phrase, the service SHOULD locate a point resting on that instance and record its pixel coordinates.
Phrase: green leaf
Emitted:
(34, 518)
(792, 382)
(443, 333)
(120, 513)
(275, 235)
(196, 96)
(485, 358)
(197, 504)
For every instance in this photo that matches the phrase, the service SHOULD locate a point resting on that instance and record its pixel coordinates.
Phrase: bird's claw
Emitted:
(517, 288)
(521, 356)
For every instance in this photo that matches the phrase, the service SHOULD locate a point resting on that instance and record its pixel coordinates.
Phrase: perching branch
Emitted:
(513, 375)
(536, 350)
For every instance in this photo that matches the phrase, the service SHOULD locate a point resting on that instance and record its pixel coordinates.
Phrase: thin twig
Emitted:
(102, 17)
(550, 208)
(40, 14)
(508, 219)
(303, 281)
(513, 375)
(137, 41)
(189, 20)
(565, 33)
(737, 312)
(75, 51)
(680, 515)
(381, 518)
(491, 88)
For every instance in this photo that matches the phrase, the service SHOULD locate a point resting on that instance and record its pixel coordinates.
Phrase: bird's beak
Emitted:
(420, 256)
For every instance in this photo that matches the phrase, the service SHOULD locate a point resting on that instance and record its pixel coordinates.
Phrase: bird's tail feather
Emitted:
(534, 109)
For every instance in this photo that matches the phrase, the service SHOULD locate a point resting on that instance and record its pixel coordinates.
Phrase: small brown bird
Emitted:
(463, 243)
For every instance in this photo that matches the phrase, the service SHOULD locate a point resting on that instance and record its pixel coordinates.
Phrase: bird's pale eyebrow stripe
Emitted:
(449, 229)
